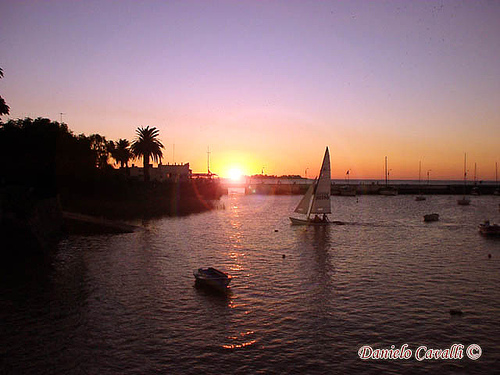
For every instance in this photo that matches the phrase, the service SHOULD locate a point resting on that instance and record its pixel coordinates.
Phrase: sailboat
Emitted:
(464, 201)
(387, 190)
(419, 197)
(497, 190)
(316, 201)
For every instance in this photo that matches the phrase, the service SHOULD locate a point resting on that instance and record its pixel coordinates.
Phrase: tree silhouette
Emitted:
(101, 148)
(121, 152)
(147, 145)
(4, 108)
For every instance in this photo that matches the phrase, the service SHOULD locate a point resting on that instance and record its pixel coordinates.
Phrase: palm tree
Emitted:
(4, 108)
(121, 152)
(147, 145)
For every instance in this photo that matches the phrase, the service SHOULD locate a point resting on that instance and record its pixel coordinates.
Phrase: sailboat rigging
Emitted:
(465, 201)
(420, 197)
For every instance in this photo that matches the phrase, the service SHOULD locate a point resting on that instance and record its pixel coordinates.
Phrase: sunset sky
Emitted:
(268, 84)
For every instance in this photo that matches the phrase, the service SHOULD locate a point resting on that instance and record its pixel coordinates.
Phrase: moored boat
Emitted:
(212, 278)
(489, 229)
(420, 197)
(464, 201)
(387, 190)
(431, 217)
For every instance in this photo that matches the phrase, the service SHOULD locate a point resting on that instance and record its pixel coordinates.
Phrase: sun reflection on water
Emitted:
(241, 337)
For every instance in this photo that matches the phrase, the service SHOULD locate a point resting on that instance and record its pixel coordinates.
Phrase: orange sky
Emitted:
(268, 84)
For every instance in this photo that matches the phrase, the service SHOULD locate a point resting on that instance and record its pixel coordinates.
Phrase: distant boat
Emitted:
(387, 190)
(212, 278)
(489, 229)
(420, 197)
(464, 201)
(316, 201)
(497, 190)
(431, 217)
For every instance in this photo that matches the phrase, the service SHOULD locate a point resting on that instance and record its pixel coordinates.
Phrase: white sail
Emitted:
(321, 195)
(305, 203)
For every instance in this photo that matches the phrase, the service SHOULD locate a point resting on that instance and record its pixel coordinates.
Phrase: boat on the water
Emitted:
(387, 190)
(465, 201)
(489, 229)
(212, 278)
(431, 217)
(316, 201)
(420, 197)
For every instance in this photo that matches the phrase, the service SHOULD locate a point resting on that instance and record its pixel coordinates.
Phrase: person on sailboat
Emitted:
(325, 218)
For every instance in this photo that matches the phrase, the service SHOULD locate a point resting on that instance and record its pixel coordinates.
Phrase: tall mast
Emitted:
(386, 171)
(419, 170)
(465, 171)
(208, 160)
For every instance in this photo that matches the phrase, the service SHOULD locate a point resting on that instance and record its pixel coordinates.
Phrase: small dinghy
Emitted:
(489, 229)
(212, 278)
(431, 217)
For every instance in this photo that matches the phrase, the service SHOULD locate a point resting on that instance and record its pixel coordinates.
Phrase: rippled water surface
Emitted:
(302, 300)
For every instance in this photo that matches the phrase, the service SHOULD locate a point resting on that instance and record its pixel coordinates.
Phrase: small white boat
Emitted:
(431, 217)
(316, 201)
(212, 278)
(489, 229)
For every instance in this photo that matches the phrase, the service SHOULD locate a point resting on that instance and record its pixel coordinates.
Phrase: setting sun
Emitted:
(235, 174)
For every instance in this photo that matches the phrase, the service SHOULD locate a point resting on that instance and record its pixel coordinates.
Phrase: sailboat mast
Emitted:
(496, 173)
(465, 172)
(419, 171)
(386, 171)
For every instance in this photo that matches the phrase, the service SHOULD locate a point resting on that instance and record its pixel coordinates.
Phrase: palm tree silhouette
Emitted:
(147, 145)
(121, 152)
(4, 108)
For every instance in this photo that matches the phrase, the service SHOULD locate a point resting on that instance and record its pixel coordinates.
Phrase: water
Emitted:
(127, 303)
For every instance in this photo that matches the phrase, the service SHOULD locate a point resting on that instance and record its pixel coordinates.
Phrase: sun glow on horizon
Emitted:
(235, 174)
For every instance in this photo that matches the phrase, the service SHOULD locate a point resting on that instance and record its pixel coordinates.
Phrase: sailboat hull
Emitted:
(296, 221)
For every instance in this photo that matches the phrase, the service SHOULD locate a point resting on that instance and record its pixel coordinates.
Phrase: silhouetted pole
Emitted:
(386, 172)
